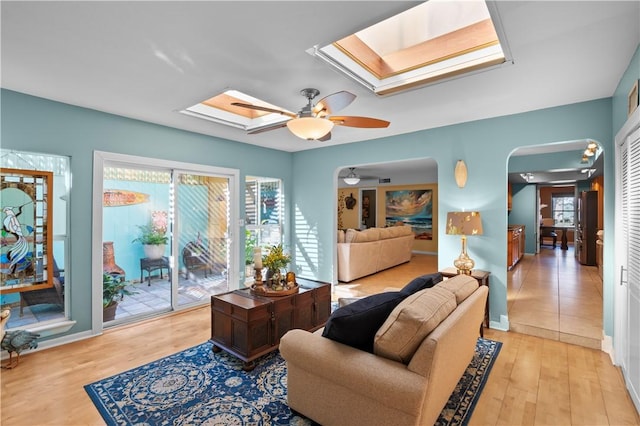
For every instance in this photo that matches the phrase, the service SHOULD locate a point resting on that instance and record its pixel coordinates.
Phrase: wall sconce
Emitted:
(460, 173)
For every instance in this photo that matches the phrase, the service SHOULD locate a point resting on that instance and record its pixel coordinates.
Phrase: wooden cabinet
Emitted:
(515, 244)
(249, 326)
(585, 240)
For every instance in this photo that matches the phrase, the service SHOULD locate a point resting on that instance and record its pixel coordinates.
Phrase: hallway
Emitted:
(552, 295)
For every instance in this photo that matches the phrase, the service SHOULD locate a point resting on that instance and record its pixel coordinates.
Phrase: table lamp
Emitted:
(464, 223)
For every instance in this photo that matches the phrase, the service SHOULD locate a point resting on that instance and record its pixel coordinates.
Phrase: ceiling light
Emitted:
(351, 178)
(588, 172)
(588, 152)
(310, 128)
(592, 146)
(585, 159)
(527, 176)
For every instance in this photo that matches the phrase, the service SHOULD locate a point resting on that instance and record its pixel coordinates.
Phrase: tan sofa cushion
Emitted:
(460, 285)
(350, 235)
(411, 321)
(341, 236)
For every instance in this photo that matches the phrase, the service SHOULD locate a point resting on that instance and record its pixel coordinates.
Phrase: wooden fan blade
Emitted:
(333, 102)
(325, 138)
(267, 128)
(261, 108)
(351, 121)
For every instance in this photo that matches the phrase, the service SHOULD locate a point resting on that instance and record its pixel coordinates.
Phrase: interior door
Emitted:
(368, 208)
(627, 294)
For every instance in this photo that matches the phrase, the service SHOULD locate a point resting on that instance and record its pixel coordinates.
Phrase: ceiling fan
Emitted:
(314, 122)
(352, 178)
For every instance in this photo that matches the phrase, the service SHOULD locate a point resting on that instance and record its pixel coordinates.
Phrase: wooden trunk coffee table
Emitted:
(249, 326)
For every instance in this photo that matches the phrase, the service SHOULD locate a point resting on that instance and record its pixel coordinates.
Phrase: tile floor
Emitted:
(552, 295)
(549, 295)
(147, 299)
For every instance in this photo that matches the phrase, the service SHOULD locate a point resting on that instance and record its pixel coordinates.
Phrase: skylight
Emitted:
(435, 40)
(219, 110)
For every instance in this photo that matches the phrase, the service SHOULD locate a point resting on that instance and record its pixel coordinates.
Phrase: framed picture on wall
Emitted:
(412, 208)
(26, 257)
(633, 98)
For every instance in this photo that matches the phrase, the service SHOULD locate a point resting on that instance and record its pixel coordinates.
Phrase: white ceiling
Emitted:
(147, 60)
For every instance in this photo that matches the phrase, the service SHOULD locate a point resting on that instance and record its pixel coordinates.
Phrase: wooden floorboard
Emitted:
(533, 381)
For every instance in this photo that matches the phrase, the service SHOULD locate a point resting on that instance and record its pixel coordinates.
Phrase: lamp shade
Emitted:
(464, 223)
(310, 128)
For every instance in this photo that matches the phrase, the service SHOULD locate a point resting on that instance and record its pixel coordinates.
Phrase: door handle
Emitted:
(622, 280)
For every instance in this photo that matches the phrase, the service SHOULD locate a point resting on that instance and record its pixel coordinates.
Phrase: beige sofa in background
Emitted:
(362, 253)
(336, 384)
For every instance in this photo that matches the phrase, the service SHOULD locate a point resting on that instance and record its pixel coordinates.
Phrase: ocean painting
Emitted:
(413, 208)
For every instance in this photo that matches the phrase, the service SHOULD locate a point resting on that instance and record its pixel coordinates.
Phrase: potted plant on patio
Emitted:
(250, 242)
(113, 291)
(153, 240)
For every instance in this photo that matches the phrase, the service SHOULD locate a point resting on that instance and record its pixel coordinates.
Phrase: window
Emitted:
(264, 210)
(45, 308)
(563, 209)
(435, 40)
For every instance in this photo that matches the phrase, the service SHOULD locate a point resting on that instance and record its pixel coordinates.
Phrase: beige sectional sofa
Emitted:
(408, 378)
(362, 253)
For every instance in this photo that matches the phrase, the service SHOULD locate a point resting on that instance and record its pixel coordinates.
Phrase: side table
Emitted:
(151, 265)
(483, 279)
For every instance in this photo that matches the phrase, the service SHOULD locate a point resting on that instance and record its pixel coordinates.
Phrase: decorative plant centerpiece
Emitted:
(275, 261)
(113, 291)
(153, 239)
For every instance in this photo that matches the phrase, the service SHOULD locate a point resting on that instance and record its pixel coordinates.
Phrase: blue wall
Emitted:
(39, 125)
(523, 212)
(484, 145)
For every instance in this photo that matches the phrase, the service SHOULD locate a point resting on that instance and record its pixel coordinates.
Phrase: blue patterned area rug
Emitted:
(197, 386)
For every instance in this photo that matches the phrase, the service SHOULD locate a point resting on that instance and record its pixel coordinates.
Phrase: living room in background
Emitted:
(42, 307)
(165, 235)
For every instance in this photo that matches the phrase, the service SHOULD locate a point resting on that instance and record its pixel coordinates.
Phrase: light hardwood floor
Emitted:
(534, 380)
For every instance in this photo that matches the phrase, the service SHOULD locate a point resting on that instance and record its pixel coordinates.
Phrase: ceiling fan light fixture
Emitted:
(351, 178)
(310, 128)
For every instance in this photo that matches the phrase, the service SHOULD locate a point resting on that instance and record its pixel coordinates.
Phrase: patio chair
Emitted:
(196, 257)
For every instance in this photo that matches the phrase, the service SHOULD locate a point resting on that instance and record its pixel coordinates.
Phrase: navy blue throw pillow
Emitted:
(356, 324)
(422, 282)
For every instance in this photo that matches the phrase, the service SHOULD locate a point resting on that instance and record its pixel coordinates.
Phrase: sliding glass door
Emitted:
(165, 235)
(202, 234)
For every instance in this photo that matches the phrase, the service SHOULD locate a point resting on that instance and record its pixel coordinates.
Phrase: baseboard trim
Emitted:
(607, 347)
(51, 343)
(502, 325)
